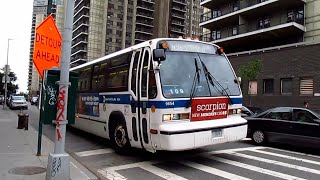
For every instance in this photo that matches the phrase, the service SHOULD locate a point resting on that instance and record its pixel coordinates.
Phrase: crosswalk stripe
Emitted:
(254, 168)
(278, 163)
(160, 172)
(304, 154)
(94, 152)
(214, 171)
(111, 175)
(286, 156)
(233, 150)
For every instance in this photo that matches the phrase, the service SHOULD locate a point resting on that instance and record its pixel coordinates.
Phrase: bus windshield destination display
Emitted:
(186, 46)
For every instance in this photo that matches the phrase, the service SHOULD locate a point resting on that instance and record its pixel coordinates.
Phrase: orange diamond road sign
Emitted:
(47, 46)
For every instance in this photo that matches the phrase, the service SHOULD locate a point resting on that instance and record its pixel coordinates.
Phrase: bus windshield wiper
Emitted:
(213, 81)
(196, 81)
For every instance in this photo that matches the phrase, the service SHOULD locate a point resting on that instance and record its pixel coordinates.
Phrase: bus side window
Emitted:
(152, 93)
(145, 74)
(134, 73)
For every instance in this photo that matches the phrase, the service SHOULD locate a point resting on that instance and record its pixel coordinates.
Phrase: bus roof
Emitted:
(131, 48)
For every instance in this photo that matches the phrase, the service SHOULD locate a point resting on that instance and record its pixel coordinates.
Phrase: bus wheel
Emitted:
(259, 137)
(119, 138)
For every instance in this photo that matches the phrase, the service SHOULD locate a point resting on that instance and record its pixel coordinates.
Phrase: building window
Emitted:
(235, 31)
(216, 35)
(236, 6)
(306, 86)
(286, 86)
(253, 88)
(216, 13)
(268, 86)
(264, 23)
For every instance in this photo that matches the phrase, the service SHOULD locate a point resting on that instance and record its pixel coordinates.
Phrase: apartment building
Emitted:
(101, 27)
(283, 34)
(33, 75)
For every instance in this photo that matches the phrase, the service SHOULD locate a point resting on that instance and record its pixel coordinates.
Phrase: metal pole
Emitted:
(58, 162)
(5, 77)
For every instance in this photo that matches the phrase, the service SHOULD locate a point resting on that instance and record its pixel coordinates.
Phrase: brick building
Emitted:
(290, 76)
(283, 34)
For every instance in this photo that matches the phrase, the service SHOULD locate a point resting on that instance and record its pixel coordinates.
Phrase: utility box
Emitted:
(49, 96)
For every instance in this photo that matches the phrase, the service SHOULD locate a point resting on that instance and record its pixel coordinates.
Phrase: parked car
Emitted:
(246, 112)
(255, 110)
(285, 125)
(34, 100)
(18, 102)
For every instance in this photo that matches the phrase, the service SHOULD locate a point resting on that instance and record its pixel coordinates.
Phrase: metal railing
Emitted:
(241, 5)
(249, 27)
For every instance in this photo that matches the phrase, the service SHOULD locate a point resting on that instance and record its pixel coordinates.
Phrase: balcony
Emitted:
(145, 6)
(78, 60)
(182, 2)
(79, 50)
(77, 11)
(177, 30)
(80, 24)
(144, 23)
(180, 9)
(179, 15)
(144, 15)
(79, 33)
(274, 32)
(247, 9)
(144, 31)
(148, 1)
(177, 23)
(84, 41)
(213, 3)
(80, 16)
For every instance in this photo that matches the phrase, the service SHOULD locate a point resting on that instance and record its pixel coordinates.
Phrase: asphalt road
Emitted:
(239, 160)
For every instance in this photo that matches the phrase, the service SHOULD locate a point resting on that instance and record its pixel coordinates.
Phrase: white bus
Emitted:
(162, 94)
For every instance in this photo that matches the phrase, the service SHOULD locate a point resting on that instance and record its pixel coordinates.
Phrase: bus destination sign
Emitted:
(187, 46)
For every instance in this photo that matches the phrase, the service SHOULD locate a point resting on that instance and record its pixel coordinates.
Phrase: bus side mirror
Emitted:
(159, 55)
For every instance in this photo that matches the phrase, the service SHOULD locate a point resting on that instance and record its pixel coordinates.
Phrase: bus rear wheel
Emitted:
(119, 138)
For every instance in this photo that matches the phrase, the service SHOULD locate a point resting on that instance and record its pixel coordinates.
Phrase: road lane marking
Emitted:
(94, 152)
(112, 175)
(160, 172)
(286, 156)
(212, 170)
(299, 153)
(301, 168)
(254, 168)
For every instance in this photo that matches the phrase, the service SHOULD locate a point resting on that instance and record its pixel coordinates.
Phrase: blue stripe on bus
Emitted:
(125, 99)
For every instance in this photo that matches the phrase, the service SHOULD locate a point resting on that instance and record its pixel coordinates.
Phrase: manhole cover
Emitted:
(27, 170)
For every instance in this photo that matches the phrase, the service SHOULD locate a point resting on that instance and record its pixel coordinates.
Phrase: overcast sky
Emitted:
(15, 18)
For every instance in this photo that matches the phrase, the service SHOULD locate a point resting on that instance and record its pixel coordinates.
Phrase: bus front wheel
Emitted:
(119, 138)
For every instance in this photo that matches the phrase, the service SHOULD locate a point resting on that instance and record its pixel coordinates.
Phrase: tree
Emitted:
(12, 88)
(250, 71)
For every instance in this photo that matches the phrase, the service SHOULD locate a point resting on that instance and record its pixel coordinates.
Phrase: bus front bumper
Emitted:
(196, 138)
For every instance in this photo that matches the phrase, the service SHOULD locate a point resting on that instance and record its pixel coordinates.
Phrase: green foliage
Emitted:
(12, 88)
(251, 70)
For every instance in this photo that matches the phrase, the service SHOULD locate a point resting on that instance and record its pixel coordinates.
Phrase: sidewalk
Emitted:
(18, 147)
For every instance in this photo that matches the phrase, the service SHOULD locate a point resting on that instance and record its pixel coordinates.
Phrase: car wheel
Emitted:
(119, 138)
(259, 137)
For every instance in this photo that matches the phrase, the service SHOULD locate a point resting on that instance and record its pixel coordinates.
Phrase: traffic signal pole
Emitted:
(58, 162)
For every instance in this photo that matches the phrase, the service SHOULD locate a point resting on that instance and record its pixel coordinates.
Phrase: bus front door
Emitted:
(140, 112)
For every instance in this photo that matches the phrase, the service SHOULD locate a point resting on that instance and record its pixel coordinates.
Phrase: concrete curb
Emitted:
(77, 171)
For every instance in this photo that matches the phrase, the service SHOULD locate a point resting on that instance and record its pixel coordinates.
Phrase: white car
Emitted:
(18, 102)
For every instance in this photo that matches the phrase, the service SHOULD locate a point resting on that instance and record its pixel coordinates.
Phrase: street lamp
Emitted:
(6, 75)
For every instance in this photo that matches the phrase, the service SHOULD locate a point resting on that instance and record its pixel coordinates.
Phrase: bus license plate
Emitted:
(216, 133)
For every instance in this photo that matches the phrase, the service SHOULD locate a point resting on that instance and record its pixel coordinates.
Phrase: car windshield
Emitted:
(177, 74)
(18, 98)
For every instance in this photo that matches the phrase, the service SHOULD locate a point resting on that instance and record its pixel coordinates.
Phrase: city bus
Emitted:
(167, 94)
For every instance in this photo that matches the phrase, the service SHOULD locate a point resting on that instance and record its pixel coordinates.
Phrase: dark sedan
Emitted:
(285, 125)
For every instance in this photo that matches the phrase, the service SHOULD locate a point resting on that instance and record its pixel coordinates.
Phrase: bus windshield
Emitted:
(178, 71)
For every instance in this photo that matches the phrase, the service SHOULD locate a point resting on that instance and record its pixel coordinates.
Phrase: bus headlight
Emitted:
(170, 117)
(235, 111)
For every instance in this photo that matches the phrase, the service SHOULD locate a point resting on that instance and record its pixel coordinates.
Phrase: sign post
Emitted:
(46, 54)
(58, 162)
